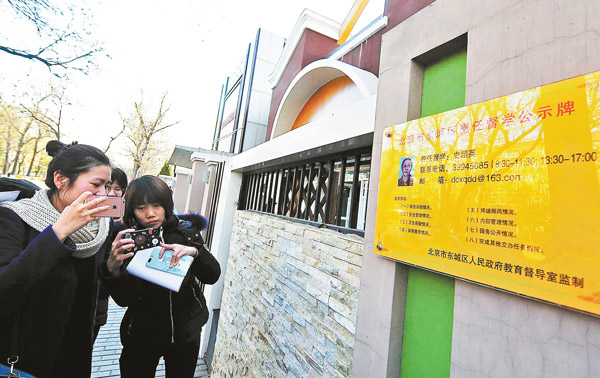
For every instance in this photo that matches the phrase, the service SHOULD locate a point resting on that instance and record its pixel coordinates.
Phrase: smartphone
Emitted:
(117, 206)
(146, 238)
(164, 264)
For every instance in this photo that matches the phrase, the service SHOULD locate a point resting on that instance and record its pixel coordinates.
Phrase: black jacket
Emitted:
(52, 294)
(157, 315)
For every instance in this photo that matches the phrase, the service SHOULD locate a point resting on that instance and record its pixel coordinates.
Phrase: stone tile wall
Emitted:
(289, 301)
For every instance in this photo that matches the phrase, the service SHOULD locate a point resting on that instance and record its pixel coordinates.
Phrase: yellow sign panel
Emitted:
(504, 193)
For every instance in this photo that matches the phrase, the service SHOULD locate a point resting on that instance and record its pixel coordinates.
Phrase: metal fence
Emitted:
(331, 190)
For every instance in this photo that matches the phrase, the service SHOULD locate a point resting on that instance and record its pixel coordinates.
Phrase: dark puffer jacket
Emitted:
(157, 315)
(52, 294)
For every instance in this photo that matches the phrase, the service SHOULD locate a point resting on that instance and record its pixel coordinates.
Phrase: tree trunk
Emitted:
(35, 151)
(19, 149)
(16, 163)
(5, 167)
(143, 150)
(20, 166)
(136, 168)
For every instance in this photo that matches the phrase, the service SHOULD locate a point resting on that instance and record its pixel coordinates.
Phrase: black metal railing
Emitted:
(331, 190)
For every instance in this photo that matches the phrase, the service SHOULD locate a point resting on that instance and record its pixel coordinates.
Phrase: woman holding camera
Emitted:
(52, 246)
(160, 322)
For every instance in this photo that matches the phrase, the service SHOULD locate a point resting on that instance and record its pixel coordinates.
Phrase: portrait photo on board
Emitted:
(405, 176)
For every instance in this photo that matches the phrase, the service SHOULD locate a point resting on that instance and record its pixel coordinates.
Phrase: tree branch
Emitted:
(26, 55)
(165, 127)
(112, 139)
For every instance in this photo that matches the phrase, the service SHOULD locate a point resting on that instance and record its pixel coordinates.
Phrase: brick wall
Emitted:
(289, 300)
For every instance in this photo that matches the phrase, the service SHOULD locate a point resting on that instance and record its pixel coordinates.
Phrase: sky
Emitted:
(185, 48)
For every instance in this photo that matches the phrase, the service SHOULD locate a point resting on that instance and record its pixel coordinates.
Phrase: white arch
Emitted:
(309, 80)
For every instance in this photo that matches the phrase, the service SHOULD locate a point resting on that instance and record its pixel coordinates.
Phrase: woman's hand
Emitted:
(77, 215)
(119, 252)
(178, 251)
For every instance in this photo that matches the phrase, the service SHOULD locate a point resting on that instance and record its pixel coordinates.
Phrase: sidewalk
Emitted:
(105, 358)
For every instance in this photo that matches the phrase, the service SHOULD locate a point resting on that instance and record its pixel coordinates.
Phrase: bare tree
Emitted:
(20, 128)
(141, 129)
(7, 149)
(48, 110)
(38, 145)
(23, 137)
(8, 120)
(61, 31)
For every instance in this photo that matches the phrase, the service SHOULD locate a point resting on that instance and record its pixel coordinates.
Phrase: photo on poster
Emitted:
(406, 171)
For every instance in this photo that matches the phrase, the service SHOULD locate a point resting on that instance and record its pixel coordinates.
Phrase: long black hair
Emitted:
(148, 190)
(71, 160)
(119, 177)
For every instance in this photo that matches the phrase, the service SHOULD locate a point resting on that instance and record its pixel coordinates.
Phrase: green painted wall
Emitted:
(427, 339)
(444, 84)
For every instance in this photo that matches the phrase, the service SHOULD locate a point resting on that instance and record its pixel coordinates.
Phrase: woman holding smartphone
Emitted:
(118, 185)
(159, 322)
(52, 246)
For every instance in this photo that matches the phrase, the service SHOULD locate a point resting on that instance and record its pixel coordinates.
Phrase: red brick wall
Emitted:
(314, 46)
(311, 47)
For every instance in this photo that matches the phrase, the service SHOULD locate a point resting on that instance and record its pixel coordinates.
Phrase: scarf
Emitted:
(39, 213)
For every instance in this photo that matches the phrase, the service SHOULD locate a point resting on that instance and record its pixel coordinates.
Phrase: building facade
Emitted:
(431, 325)
(294, 238)
(303, 292)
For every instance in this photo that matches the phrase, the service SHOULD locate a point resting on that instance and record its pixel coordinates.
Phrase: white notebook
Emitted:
(171, 281)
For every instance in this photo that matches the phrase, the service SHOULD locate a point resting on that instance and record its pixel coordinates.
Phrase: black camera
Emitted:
(146, 238)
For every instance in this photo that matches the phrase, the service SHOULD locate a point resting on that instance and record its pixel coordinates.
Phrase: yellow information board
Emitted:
(503, 193)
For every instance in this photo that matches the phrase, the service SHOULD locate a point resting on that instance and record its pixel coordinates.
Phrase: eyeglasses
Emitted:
(116, 191)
